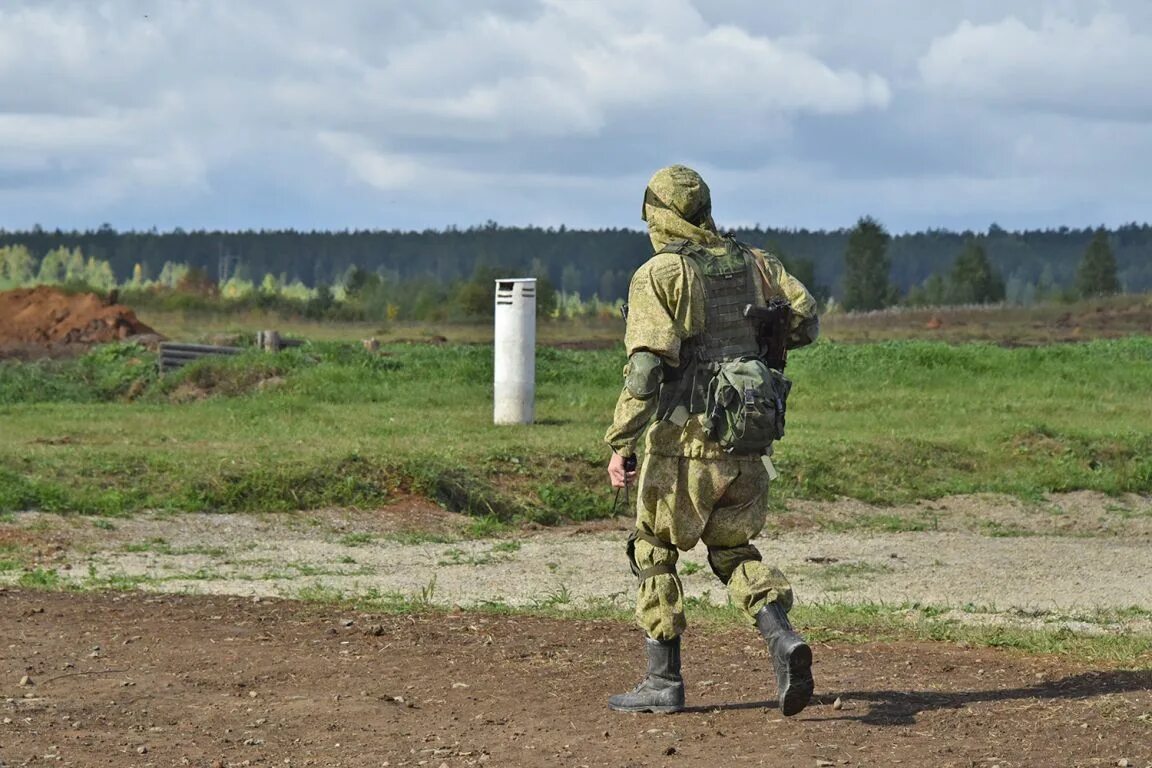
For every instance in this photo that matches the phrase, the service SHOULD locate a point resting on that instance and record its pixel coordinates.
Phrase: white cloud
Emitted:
(394, 92)
(549, 111)
(1100, 66)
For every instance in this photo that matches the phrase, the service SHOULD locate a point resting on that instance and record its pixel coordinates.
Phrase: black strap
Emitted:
(673, 393)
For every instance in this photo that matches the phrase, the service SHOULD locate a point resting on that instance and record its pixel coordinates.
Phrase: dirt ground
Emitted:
(237, 674)
(240, 675)
(135, 680)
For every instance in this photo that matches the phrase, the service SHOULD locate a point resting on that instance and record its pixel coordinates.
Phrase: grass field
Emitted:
(333, 425)
(1111, 317)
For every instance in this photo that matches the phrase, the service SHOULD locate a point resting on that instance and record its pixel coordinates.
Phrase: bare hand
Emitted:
(617, 475)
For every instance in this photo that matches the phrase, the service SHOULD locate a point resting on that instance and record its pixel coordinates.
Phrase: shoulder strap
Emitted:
(682, 247)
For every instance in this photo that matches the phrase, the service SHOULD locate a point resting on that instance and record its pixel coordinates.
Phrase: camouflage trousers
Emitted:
(682, 501)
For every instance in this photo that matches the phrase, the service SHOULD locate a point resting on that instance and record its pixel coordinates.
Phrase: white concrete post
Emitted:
(515, 349)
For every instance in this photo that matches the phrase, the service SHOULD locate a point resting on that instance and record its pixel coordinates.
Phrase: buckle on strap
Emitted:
(656, 570)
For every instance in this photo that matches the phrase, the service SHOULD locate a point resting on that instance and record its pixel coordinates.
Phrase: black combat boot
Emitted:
(791, 657)
(662, 689)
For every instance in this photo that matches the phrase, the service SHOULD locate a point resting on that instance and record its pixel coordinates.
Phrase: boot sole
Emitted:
(666, 710)
(796, 696)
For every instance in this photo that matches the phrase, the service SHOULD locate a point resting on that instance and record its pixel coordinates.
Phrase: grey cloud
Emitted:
(355, 113)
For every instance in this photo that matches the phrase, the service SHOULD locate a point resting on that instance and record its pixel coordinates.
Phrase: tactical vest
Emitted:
(730, 283)
(726, 376)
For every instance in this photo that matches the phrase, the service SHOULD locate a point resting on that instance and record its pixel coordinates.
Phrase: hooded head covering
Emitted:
(678, 206)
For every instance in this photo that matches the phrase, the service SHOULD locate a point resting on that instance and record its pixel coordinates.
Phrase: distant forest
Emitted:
(587, 262)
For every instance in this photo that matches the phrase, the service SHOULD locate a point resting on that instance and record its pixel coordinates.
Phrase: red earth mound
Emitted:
(48, 316)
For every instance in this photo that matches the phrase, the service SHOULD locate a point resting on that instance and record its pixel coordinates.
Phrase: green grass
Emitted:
(499, 553)
(41, 578)
(884, 423)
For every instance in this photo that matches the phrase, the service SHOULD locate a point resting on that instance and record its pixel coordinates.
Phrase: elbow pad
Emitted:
(644, 375)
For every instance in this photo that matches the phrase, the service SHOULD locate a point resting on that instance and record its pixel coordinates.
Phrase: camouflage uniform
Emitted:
(689, 489)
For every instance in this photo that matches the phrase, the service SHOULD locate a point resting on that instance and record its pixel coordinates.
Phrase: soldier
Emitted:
(690, 310)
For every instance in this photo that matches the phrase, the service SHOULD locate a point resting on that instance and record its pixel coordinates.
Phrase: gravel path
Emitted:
(1093, 558)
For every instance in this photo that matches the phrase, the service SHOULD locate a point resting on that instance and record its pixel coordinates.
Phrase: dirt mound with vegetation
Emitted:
(47, 316)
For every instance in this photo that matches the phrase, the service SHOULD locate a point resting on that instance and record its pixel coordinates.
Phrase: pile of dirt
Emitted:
(47, 316)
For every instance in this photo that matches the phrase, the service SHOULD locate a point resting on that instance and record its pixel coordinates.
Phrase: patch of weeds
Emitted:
(510, 545)
(849, 570)
(703, 610)
(41, 578)
(1123, 511)
(570, 503)
(118, 582)
(347, 560)
(357, 539)
(304, 569)
(897, 524)
(559, 595)
(7, 517)
(976, 609)
(103, 524)
(689, 568)
(930, 611)
(207, 551)
(1131, 612)
(837, 577)
(307, 569)
(996, 529)
(277, 576)
(319, 593)
(200, 574)
(9, 565)
(458, 490)
(426, 596)
(386, 602)
(413, 538)
(486, 527)
(157, 545)
(457, 556)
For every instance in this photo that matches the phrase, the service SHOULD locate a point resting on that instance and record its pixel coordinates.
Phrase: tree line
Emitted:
(971, 278)
(413, 274)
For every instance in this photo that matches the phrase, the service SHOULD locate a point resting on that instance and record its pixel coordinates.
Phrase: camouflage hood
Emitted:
(678, 206)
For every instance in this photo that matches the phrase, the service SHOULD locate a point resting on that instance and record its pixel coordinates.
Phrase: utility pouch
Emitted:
(746, 405)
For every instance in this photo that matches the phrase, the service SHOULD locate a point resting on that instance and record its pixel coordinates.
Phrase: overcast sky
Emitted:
(430, 113)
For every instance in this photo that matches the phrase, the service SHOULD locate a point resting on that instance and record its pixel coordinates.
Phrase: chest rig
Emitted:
(731, 283)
